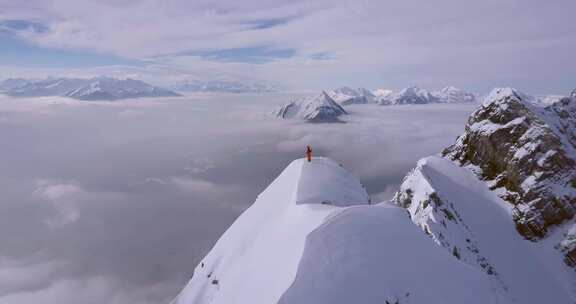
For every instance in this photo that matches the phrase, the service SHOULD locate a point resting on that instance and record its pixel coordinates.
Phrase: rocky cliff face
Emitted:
(511, 177)
(526, 154)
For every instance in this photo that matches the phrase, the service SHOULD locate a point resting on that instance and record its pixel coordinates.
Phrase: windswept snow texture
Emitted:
(320, 108)
(461, 214)
(311, 237)
(99, 88)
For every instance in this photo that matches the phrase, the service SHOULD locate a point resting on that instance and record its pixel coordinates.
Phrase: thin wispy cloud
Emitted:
(473, 45)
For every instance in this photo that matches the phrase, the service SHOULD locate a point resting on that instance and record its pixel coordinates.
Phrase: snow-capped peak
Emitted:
(382, 92)
(502, 94)
(451, 94)
(346, 91)
(319, 108)
(411, 95)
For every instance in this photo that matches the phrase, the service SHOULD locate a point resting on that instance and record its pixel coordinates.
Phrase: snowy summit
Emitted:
(320, 108)
(313, 237)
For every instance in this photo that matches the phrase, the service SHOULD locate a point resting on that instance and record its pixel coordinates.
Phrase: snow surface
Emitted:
(312, 237)
(481, 230)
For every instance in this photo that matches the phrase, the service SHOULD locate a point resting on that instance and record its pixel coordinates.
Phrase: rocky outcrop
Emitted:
(526, 154)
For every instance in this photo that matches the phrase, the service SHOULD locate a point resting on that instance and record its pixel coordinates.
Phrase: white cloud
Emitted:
(91, 290)
(17, 275)
(193, 185)
(66, 198)
(371, 43)
(63, 197)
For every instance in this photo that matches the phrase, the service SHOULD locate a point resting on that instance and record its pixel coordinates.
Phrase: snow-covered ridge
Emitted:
(320, 108)
(98, 88)
(510, 177)
(461, 214)
(312, 237)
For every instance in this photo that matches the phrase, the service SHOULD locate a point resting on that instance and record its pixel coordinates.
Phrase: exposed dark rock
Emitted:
(526, 155)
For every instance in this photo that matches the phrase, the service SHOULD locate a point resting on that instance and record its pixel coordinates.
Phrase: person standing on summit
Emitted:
(309, 153)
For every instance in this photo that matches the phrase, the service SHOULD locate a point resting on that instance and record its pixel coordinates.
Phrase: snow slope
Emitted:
(462, 215)
(320, 108)
(373, 254)
(312, 237)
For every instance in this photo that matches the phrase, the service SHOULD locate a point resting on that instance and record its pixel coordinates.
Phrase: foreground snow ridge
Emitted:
(460, 213)
(313, 237)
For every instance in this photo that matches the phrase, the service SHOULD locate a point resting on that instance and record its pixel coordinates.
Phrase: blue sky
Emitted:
(16, 51)
(299, 45)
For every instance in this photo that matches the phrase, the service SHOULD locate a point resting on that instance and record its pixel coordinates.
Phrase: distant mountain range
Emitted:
(410, 95)
(98, 88)
(222, 86)
(329, 105)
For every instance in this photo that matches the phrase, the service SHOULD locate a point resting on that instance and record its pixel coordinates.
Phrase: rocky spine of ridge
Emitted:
(526, 154)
